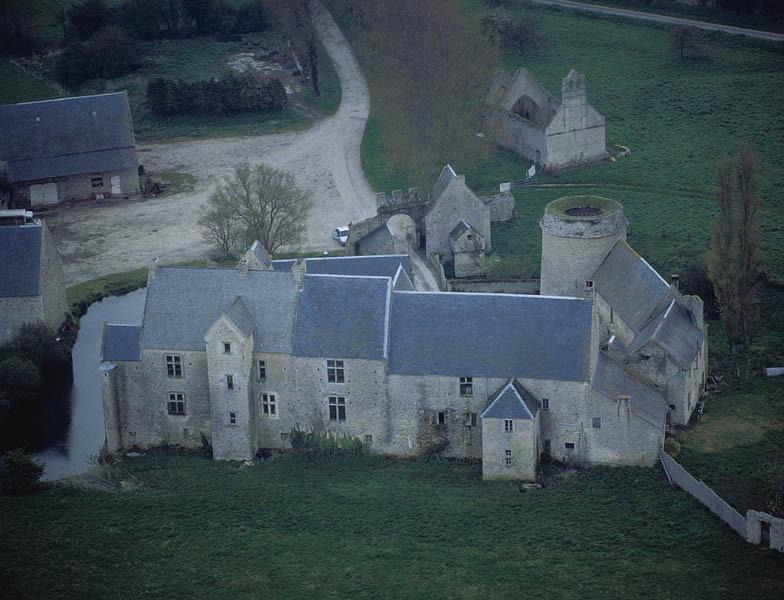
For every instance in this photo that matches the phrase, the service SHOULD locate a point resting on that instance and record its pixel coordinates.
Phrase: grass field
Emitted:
(297, 527)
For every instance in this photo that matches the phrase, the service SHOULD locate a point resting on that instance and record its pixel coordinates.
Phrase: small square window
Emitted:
(569, 445)
(508, 458)
(227, 347)
(229, 382)
(368, 439)
(589, 283)
(508, 425)
(545, 404)
(337, 408)
(597, 422)
(335, 371)
(262, 370)
(232, 418)
(466, 386)
(96, 182)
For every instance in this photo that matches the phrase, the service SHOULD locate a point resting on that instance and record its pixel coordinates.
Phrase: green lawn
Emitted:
(295, 527)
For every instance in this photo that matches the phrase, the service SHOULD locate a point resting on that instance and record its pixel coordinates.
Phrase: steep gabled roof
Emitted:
(674, 332)
(20, 266)
(490, 335)
(183, 303)
(239, 315)
(512, 401)
(120, 342)
(67, 136)
(612, 380)
(383, 265)
(447, 175)
(343, 317)
(459, 230)
(376, 239)
(402, 282)
(632, 288)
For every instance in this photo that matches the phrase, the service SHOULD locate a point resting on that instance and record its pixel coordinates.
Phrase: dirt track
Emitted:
(325, 160)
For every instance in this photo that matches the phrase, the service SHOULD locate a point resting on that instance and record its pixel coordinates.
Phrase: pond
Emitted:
(86, 434)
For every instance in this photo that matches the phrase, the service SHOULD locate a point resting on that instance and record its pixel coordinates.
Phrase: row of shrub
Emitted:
(235, 93)
(155, 19)
(325, 442)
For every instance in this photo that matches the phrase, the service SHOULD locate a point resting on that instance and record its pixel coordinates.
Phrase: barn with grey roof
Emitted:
(31, 274)
(592, 373)
(69, 149)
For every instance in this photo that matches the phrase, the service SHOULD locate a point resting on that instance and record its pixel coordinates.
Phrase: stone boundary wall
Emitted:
(501, 286)
(683, 479)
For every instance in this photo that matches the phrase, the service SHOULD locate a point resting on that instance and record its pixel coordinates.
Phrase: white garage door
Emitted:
(45, 193)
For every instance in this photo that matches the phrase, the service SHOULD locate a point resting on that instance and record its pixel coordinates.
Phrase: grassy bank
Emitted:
(374, 527)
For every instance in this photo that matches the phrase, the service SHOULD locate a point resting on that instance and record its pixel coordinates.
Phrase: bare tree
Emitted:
(682, 43)
(734, 262)
(256, 203)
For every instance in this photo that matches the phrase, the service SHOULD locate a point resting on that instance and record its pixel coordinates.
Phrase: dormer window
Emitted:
(227, 347)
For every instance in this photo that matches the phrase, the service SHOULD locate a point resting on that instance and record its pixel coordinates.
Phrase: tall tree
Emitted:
(256, 203)
(734, 262)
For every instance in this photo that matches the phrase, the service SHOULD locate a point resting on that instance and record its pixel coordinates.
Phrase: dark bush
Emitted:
(250, 18)
(16, 30)
(109, 53)
(87, 18)
(19, 473)
(144, 19)
(234, 94)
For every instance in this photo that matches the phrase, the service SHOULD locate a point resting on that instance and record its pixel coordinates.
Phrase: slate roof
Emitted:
(490, 335)
(183, 303)
(343, 317)
(67, 136)
(120, 342)
(633, 289)
(674, 332)
(367, 266)
(459, 230)
(402, 282)
(447, 175)
(512, 401)
(239, 315)
(376, 239)
(611, 380)
(20, 266)
(283, 265)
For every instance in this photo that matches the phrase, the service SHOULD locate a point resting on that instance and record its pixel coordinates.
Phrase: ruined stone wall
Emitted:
(576, 135)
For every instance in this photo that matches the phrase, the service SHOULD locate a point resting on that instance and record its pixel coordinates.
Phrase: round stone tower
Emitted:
(577, 233)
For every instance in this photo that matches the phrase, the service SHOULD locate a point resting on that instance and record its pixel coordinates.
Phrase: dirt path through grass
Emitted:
(325, 160)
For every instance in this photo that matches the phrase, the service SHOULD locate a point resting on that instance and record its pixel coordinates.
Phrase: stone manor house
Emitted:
(590, 372)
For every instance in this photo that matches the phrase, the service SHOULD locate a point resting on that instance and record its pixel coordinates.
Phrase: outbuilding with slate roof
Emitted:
(31, 274)
(68, 149)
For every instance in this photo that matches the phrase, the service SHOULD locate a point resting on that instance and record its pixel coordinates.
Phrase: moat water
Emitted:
(85, 435)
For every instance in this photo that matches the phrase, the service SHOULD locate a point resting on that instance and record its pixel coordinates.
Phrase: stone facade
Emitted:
(333, 345)
(43, 296)
(107, 184)
(523, 116)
